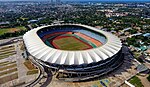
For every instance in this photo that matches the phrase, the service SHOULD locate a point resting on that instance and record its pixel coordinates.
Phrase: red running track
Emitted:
(60, 37)
(96, 42)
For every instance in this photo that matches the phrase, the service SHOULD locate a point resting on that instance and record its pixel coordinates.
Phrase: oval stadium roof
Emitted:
(37, 48)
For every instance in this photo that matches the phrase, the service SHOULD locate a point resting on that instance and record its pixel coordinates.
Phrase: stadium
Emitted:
(75, 51)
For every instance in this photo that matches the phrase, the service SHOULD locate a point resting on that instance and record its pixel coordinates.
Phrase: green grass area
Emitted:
(6, 63)
(8, 67)
(29, 65)
(21, 27)
(8, 71)
(1, 63)
(2, 31)
(8, 78)
(7, 30)
(7, 47)
(6, 50)
(3, 56)
(136, 54)
(70, 43)
(136, 81)
(31, 72)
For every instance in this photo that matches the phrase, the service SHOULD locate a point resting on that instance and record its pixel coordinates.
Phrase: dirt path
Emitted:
(144, 81)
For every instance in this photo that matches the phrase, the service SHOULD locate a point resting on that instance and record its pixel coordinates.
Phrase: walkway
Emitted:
(21, 68)
(144, 80)
(40, 74)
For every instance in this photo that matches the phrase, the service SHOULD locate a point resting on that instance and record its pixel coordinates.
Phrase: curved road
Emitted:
(40, 75)
(48, 80)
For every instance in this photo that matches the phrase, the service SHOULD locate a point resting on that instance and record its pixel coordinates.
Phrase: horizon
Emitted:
(88, 0)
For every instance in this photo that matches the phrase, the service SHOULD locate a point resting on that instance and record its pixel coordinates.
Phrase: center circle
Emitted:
(71, 37)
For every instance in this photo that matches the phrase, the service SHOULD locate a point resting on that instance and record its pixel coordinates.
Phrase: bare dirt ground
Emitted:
(21, 69)
(144, 80)
(13, 29)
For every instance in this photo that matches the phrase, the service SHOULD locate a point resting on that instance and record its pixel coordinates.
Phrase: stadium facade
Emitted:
(98, 52)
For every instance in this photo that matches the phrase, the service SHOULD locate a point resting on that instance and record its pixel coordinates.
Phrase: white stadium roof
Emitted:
(37, 48)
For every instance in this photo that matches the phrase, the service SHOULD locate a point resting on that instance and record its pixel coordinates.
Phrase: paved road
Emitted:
(36, 81)
(48, 79)
(10, 41)
(21, 68)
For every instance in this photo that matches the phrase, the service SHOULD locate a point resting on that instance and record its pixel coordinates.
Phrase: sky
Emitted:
(76, 0)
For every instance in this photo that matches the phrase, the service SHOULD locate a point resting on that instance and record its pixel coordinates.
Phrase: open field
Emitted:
(7, 47)
(8, 67)
(1, 63)
(6, 63)
(70, 43)
(136, 82)
(6, 55)
(31, 72)
(10, 30)
(8, 78)
(13, 72)
(29, 65)
(31, 68)
(8, 71)
(7, 51)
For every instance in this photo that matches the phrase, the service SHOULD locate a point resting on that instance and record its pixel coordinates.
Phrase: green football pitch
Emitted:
(70, 43)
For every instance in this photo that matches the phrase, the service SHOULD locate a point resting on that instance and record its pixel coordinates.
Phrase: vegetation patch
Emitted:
(11, 30)
(31, 72)
(22, 47)
(6, 47)
(8, 71)
(148, 78)
(29, 65)
(136, 54)
(7, 55)
(1, 63)
(12, 34)
(7, 50)
(8, 67)
(7, 63)
(8, 78)
(2, 31)
(136, 81)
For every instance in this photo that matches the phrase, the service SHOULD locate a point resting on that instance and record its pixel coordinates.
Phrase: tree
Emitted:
(148, 78)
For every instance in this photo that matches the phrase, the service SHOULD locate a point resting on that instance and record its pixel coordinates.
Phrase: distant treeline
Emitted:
(14, 34)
